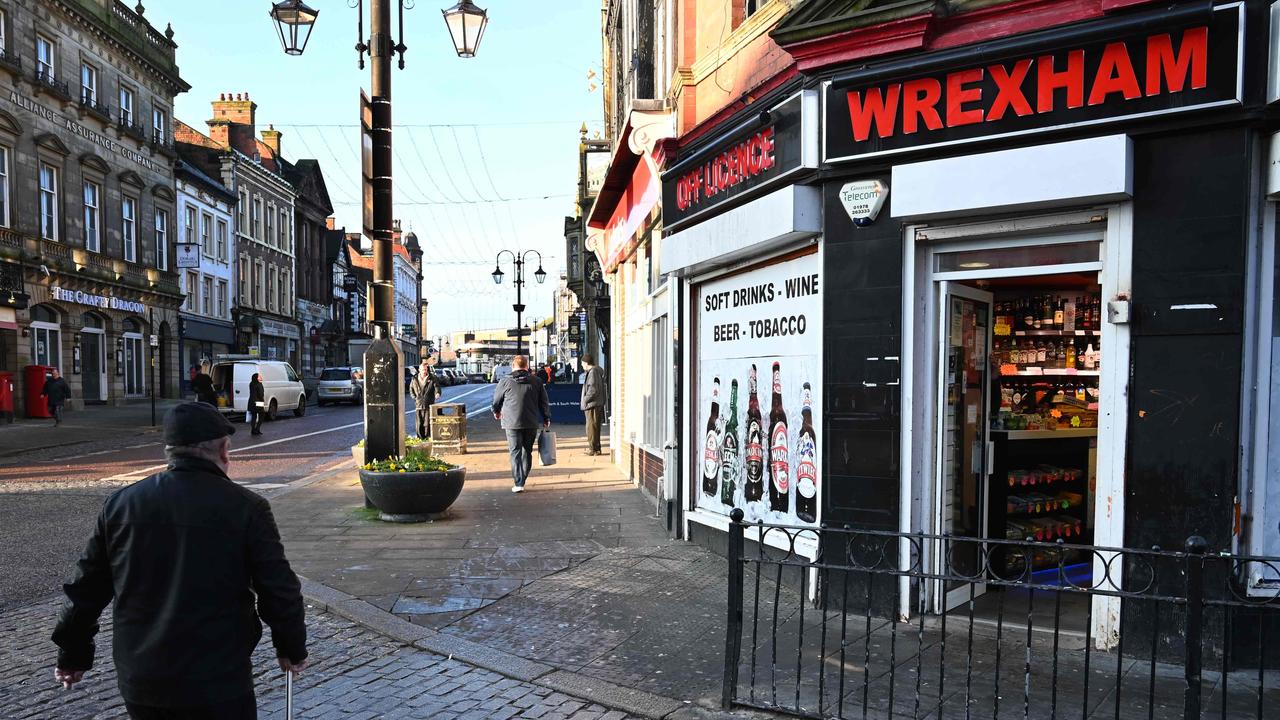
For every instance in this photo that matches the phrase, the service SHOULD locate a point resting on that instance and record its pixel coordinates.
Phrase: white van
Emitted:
(281, 385)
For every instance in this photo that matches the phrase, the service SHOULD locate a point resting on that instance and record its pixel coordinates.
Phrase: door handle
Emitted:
(991, 456)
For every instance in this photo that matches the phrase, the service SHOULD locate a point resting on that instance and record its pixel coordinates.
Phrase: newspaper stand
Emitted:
(449, 427)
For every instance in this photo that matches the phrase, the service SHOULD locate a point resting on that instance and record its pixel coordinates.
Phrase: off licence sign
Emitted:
(1193, 65)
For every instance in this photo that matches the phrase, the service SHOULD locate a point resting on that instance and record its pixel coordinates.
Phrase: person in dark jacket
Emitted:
(203, 385)
(194, 565)
(58, 393)
(594, 399)
(257, 403)
(425, 390)
(521, 405)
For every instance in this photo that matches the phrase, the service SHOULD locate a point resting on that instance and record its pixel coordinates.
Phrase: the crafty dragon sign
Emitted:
(1155, 71)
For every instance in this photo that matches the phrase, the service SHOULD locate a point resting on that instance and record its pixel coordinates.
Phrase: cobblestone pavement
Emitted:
(355, 674)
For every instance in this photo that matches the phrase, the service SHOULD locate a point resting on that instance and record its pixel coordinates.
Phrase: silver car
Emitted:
(340, 384)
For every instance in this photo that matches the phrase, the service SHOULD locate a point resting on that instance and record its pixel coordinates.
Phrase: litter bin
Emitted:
(6, 397)
(33, 376)
(449, 427)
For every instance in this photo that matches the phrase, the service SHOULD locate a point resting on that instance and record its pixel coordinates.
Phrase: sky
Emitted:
(485, 148)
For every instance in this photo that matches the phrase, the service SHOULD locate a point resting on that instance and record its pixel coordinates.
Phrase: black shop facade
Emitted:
(1044, 294)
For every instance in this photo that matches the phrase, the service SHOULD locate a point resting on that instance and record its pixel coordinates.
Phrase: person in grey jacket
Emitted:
(521, 405)
(595, 396)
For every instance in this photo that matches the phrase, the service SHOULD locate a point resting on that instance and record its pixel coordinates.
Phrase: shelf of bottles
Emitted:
(1046, 361)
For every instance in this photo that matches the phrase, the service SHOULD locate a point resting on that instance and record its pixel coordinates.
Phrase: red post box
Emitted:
(33, 376)
(6, 396)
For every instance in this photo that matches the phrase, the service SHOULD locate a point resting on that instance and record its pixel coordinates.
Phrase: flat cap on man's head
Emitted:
(192, 423)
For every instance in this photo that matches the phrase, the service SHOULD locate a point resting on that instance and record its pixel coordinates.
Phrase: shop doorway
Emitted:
(134, 360)
(1009, 331)
(93, 350)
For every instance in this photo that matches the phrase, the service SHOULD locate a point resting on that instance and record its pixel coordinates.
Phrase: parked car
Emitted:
(477, 377)
(282, 387)
(341, 384)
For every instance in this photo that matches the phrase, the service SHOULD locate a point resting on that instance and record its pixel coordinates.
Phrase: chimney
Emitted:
(232, 125)
(271, 138)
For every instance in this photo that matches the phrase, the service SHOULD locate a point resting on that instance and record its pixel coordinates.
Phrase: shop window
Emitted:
(162, 239)
(48, 201)
(92, 216)
(129, 227)
(126, 106)
(46, 59)
(46, 337)
(4, 180)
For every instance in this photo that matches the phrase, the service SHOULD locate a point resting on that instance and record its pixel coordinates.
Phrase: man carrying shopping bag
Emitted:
(521, 405)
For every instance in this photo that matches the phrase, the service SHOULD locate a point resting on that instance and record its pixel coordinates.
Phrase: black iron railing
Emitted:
(818, 627)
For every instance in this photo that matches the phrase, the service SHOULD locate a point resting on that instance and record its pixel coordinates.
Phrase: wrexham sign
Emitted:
(1191, 66)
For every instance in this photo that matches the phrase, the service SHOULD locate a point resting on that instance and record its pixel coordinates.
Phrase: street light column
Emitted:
(384, 363)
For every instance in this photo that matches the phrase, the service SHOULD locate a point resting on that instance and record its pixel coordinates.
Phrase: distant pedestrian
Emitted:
(546, 370)
(595, 396)
(194, 565)
(58, 393)
(203, 385)
(257, 403)
(425, 390)
(520, 403)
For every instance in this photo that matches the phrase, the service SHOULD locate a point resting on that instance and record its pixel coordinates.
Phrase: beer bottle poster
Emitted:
(759, 393)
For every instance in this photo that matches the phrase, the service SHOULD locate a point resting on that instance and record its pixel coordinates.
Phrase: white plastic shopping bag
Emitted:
(547, 447)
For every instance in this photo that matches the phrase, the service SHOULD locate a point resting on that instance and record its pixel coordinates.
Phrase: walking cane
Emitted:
(288, 694)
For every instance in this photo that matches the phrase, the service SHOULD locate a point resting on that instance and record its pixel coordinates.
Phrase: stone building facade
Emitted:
(265, 309)
(87, 202)
(314, 267)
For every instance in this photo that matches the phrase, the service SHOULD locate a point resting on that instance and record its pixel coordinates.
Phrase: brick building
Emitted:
(87, 198)
(314, 266)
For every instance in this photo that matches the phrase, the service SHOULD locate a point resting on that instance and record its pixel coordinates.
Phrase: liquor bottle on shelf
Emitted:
(806, 461)
(1059, 315)
(779, 463)
(1046, 312)
(1086, 313)
(1041, 353)
(1081, 393)
(1061, 361)
(1071, 355)
(1028, 315)
(1090, 358)
(1096, 314)
(1069, 315)
(753, 489)
(729, 449)
(711, 451)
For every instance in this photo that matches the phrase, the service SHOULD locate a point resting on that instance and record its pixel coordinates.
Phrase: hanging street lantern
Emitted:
(540, 275)
(497, 275)
(466, 25)
(294, 21)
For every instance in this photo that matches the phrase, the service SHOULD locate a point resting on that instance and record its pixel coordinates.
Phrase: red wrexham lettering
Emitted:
(920, 101)
(1115, 74)
(880, 109)
(1009, 90)
(1192, 58)
(958, 94)
(1048, 79)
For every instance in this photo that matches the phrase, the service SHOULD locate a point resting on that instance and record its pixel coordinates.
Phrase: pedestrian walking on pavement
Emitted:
(520, 404)
(257, 403)
(203, 385)
(425, 390)
(184, 554)
(58, 393)
(595, 396)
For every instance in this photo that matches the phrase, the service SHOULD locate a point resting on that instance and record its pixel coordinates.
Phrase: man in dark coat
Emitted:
(58, 393)
(257, 403)
(594, 398)
(425, 390)
(521, 405)
(185, 554)
(203, 386)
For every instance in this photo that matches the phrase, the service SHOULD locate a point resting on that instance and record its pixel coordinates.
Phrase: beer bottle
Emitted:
(754, 488)
(779, 463)
(711, 451)
(806, 461)
(729, 449)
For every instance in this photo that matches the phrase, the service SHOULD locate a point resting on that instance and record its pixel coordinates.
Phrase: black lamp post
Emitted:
(384, 363)
(518, 260)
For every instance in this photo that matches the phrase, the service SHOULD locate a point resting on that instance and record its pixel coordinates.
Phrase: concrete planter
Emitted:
(412, 496)
(357, 454)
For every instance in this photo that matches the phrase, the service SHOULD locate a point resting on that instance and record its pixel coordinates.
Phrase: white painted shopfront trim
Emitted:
(787, 215)
(1077, 173)
(1089, 171)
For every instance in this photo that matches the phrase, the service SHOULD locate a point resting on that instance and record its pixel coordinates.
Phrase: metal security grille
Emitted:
(823, 638)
